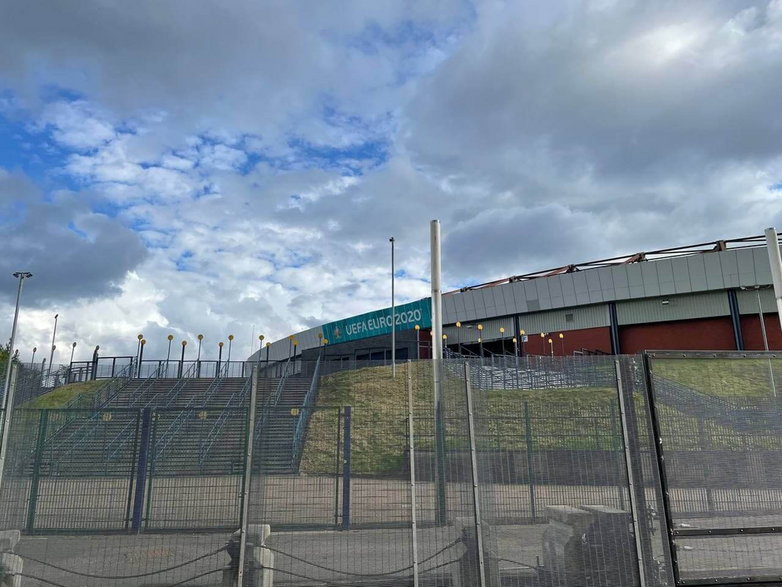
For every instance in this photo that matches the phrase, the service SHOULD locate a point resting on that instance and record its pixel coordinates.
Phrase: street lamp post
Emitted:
(230, 342)
(182, 360)
(219, 356)
(7, 405)
(480, 339)
(551, 344)
(268, 347)
(141, 355)
(170, 337)
(458, 337)
(54, 332)
(138, 348)
(8, 398)
(522, 336)
(70, 365)
(32, 359)
(198, 355)
(562, 340)
(417, 342)
(502, 335)
(393, 314)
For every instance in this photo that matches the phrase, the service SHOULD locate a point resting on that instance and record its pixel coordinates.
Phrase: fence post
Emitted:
(248, 469)
(346, 470)
(641, 549)
(530, 463)
(141, 470)
(617, 445)
(35, 482)
(476, 498)
(411, 434)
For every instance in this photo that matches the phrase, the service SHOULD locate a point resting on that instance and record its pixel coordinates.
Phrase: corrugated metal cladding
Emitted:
(593, 316)
(683, 275)
(681, 307)
(469, 331)
(748, 301)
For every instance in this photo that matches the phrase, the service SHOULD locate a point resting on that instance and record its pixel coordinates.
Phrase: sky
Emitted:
(238, 167)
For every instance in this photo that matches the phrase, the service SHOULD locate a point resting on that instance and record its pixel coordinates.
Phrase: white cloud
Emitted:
(265, 170)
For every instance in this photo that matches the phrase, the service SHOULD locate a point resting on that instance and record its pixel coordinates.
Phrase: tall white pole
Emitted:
(437, 297)
(393, 314)
(772, 243)
(437, 359)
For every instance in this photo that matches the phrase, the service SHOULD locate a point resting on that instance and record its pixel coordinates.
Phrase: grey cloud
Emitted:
(639, 90)
(72, 252)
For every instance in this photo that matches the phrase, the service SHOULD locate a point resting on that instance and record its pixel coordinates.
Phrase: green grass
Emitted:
(562, 418)
(62, 395)
(736, 379)
(584, 418)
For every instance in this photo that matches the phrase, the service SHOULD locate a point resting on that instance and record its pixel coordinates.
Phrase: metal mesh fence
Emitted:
(533, 471)
(720, 428)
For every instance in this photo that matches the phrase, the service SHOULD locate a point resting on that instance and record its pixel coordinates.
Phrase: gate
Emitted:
(718, 420)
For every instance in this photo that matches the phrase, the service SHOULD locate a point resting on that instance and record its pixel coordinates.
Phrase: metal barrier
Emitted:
(592, 471)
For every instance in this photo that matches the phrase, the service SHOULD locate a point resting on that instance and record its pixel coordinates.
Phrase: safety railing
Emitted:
(234, 400)
(71, 442)
(169, 434)
(304, 417)
(121, 438)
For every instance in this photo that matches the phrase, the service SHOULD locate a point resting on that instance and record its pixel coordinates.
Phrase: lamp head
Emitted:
(170, 337)
(230, 337)
(22, 274)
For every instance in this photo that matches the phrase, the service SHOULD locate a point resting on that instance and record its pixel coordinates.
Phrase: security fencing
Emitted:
(606, 471)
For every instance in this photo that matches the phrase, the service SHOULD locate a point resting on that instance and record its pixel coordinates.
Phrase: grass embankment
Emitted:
(729, 379)
(582, 418)
(562, 418)
(62, 395)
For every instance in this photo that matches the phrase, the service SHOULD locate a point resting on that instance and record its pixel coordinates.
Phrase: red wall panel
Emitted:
(586, 338)
(708, 334)
(753, 339)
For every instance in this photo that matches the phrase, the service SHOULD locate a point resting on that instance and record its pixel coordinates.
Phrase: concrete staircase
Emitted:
(276, 427)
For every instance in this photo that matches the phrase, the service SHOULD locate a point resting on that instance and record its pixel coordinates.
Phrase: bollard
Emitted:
(260, 573)
(10, 563)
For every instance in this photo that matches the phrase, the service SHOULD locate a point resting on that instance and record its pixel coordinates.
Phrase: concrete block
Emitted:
(9, 539)
(563, 555)
(469, 563)
(263, 563)
(10, 563)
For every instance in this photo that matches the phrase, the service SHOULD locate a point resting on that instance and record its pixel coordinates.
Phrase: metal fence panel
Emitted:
(719, 421)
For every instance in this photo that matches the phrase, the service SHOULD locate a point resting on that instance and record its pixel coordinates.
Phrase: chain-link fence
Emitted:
(528, 471)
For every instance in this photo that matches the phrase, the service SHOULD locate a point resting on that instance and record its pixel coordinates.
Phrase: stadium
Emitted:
(707, 296)
(543, 450)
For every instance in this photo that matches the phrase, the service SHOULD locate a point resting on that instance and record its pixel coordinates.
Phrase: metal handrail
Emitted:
(147, 383)
(306, 411)
(179, 421)
(219, 424)
(172, 394)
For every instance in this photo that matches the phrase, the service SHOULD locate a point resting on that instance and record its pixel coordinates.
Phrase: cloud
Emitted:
(241, 169)
(72, 252)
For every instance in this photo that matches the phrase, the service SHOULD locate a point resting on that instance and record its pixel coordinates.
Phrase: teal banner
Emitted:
(379, 322)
